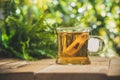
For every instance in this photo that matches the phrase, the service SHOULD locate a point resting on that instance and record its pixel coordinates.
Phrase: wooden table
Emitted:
(46, 69)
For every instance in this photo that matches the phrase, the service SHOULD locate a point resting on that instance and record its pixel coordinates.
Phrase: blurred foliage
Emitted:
(28, 28)
(25, 33)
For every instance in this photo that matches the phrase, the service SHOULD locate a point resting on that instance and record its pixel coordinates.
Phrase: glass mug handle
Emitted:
(95, 45)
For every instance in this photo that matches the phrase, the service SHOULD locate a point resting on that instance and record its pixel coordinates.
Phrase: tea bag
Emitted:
(76, 45)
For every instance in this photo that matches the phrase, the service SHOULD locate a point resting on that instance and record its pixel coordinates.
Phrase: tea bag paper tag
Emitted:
(93, 45)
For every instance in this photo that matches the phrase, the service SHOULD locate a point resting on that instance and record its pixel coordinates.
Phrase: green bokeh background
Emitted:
(28, 27)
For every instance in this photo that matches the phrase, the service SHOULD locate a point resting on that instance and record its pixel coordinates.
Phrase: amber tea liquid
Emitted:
(72, 48)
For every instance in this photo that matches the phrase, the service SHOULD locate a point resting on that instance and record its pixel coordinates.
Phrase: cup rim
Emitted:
(73, 29)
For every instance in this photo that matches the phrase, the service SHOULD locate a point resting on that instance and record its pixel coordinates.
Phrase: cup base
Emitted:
(73, 60)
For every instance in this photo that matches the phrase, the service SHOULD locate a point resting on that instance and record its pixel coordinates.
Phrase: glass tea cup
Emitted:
(73, 45)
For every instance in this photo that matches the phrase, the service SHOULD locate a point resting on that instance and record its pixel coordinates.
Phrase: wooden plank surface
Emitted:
(17, 76)
(12, 69)
(96, 71)
(114, 69)
(8, 65)
(46, 69)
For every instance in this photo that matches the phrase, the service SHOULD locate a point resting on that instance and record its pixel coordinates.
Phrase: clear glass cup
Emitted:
(73, 45)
